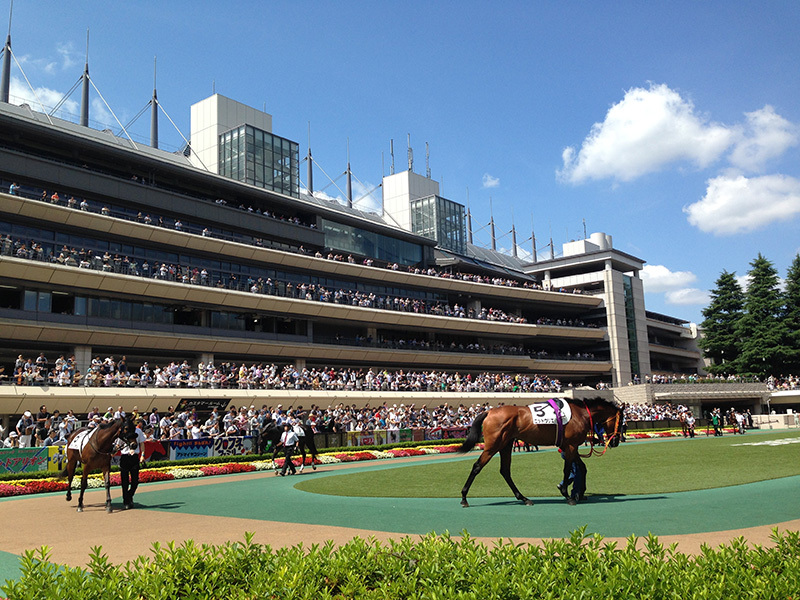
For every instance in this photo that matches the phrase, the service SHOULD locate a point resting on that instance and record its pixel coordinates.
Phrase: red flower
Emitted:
(7, 489)
(39, 486)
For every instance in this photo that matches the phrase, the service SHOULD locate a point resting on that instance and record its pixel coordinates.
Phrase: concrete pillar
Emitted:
(83, 358)
(299, 363)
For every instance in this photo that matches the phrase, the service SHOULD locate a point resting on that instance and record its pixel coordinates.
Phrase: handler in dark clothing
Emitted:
(129, 461)
(289, 441)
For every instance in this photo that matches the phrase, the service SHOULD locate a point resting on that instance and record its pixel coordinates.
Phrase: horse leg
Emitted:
(70, 475)
(274, 458)
(84, 479)
(484, 458)
(107, 479)
(505, 471)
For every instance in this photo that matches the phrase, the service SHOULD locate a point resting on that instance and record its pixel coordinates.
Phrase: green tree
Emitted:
(791, 317)
(719, 341)
(761, 330)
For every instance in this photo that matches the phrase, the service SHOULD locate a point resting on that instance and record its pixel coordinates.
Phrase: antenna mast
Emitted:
(427, 160)
(410, 155)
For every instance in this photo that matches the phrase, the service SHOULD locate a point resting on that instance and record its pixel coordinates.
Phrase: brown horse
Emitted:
(95, 455)
(504, 424)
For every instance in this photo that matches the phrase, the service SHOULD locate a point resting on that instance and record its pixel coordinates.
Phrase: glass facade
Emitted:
(353, 240)
(630, 321)
(442, 220)
(260, 158)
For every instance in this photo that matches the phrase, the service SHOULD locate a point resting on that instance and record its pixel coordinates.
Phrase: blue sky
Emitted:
(672, 126)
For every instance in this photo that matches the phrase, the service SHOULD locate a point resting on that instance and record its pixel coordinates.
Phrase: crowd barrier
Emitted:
(53, 458)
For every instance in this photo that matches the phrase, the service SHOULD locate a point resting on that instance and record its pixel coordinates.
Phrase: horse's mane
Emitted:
(109, 424)
(594, 402)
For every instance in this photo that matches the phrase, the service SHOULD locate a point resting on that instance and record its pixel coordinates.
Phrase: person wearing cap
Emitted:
(12, 441)
(288, 441)
(25, 427)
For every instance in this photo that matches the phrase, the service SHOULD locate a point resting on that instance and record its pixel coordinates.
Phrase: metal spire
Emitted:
(469, 220)
(491, 222)
(5, 78)
(154, 111)
(85, 87)
(349, 178)
(310, 164)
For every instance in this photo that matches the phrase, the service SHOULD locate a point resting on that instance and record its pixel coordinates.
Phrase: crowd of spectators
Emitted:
(653, 412)
(109, 372)
(179, 225)
(783, 382)
(117, 263)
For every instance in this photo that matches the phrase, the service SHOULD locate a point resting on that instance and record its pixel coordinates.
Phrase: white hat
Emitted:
(13, 434)
(27, 413)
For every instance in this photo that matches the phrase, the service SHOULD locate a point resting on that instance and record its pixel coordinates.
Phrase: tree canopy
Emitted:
(756, 331)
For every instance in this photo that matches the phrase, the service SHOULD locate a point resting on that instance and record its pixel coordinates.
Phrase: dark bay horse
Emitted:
(504, 424)
(95, 455)
(271, 432)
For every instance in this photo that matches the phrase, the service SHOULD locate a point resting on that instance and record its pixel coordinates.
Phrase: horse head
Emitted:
(127, 431)
(609, 415)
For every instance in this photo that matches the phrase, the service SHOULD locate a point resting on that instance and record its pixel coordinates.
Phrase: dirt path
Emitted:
(124, 535)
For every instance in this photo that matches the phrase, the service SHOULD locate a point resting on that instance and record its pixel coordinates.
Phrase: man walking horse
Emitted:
(561, 422)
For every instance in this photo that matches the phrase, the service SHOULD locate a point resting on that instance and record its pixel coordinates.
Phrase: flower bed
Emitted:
(95, 480)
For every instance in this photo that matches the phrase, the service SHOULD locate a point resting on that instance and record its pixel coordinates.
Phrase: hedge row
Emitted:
(429, 568)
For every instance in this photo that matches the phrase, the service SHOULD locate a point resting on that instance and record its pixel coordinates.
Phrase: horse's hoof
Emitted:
(69, 497)
(465, 504)
(313, 467)
(301, 468)
(572, 501)
(528, 502)
(108, 510)
(80, 509)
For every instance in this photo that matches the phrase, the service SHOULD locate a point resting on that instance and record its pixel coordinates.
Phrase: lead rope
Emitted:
(592, 451)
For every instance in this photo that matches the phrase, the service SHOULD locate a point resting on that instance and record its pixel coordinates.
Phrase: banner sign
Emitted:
(202, 405)
(184, 449)
(155, 450)
(230, 446)
(56, 458)
(452, 433)
(23, 460)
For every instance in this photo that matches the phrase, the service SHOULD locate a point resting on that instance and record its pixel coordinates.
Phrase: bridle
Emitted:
(592, 450)
(116, 437)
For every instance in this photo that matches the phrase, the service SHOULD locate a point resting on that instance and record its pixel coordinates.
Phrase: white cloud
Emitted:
(20, 93)
(687, 296)
(490, 182)
(765, 136)
(738, 204)
(658, 278)
(647, 130)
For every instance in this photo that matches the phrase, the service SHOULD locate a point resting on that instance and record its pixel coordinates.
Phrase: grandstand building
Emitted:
(220, 254)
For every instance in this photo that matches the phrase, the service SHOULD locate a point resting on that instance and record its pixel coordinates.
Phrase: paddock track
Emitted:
(220, 509)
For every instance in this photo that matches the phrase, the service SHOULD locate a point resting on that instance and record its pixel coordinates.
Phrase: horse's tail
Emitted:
(474, 433)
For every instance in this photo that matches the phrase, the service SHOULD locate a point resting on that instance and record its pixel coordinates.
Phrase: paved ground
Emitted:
(218, 509)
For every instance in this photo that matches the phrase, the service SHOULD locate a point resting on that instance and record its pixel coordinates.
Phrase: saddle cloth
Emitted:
(543, 413)
(81, 439)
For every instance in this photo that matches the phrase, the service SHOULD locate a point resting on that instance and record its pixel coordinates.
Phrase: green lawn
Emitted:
(641, 467)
